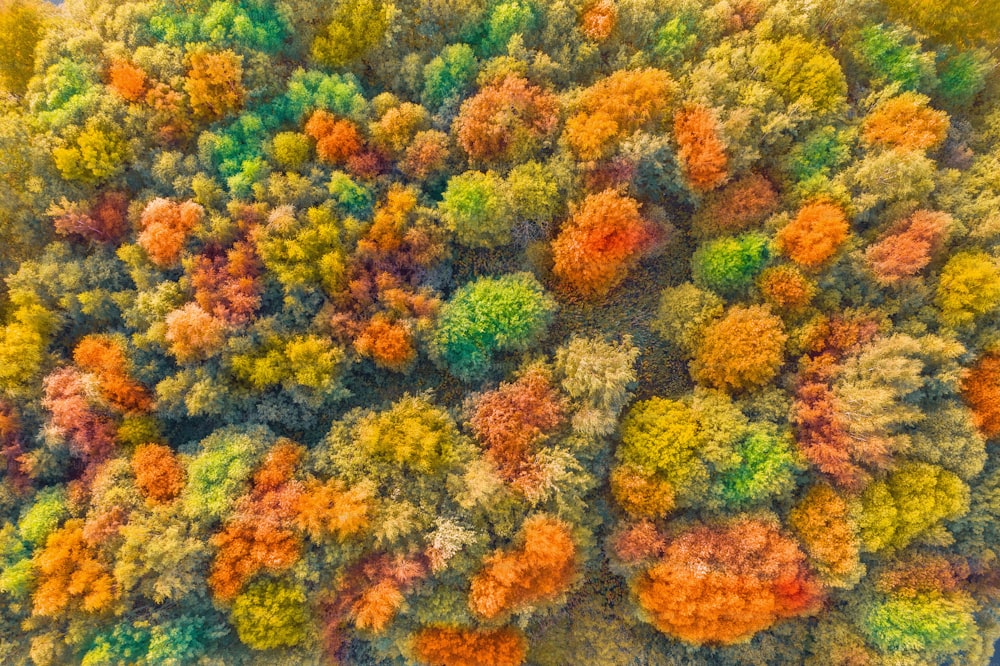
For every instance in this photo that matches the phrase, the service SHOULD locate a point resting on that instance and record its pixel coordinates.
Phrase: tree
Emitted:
(824, 523)
(814, 235)
(158, 473)
(22, 27)
(702, 153)
(454, 646)
(802, 72)
(968, 288)
(908, 246)
(271, 614)
(720, 584)
(598, 375)
(69, 572)
(506, 121)
(615, 107)
(165, 228)
(214, 83)
(355, 28)
(510, 420)
(598, 20)
(489, 316)
(540, 569)
(906, 122)
(685, 312)
(600, 243)
(475, 207)
(742, 350)
(337, 139)
(193, 334)
(728, 265)
(980, 390)
(739, 205)
(448, 74)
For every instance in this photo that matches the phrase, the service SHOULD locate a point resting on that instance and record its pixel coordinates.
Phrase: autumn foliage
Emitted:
(720, 584)
(165, 228)
(260, 535)
(981, 391)
(700, 150)
(741, 350)
(906, 122)
(71, 575)
(511, 419)
(598, 245)
(737, 206)
(537, 571)
(815, 234)
(907, 247)
(506, 120)
(446, 646)
(127, 80)
(337, 139)
(215, 83)
(158, 473)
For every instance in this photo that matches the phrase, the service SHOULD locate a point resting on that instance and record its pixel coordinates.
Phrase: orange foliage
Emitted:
(259, 536)
(390, 344)
(638, 543)
(701, 152)
(337, 139)
(642, 495)
(446, 646)
(506, 120)
(786, 287)
(821, 433)
(907, 248)
(906, 122)
(743, 349)
(126, 79)
(923, 572)
(69, 573)
(377, 606)
(426, 155)
(105, 358)
(194, 334)
(981, 391)
(721, 584)
(226, 282)
(511, 419)
(599, 19)
(615, 107)
(823, 524)
(815, 234)
(738, 206)
(598, 245)
(165, 228)
(104, 222)
(214, 83)
(91, 436)
(539, 570)
(330, 509)
(158, 473)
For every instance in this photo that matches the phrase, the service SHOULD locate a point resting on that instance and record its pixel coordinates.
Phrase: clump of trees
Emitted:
(499, 332)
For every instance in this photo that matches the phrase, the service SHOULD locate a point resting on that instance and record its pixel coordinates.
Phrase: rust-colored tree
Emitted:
(600, 243)
(506, 120)
(907, 247)
(720, 584)
(701, 152)
(454, 646)
(539, 570)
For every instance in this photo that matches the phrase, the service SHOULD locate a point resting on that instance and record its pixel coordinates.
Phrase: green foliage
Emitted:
(729, 265)
(448, 75)
(766, 469)
(219, 470)
(44, 516)
(892, 56)
(507, 18)
(248, 24)
(822, 152)
(929, 624)
(963, 76)
(488, 316)
(474, 206)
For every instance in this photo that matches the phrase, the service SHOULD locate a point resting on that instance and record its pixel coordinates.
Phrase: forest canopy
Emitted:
(499, 332)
